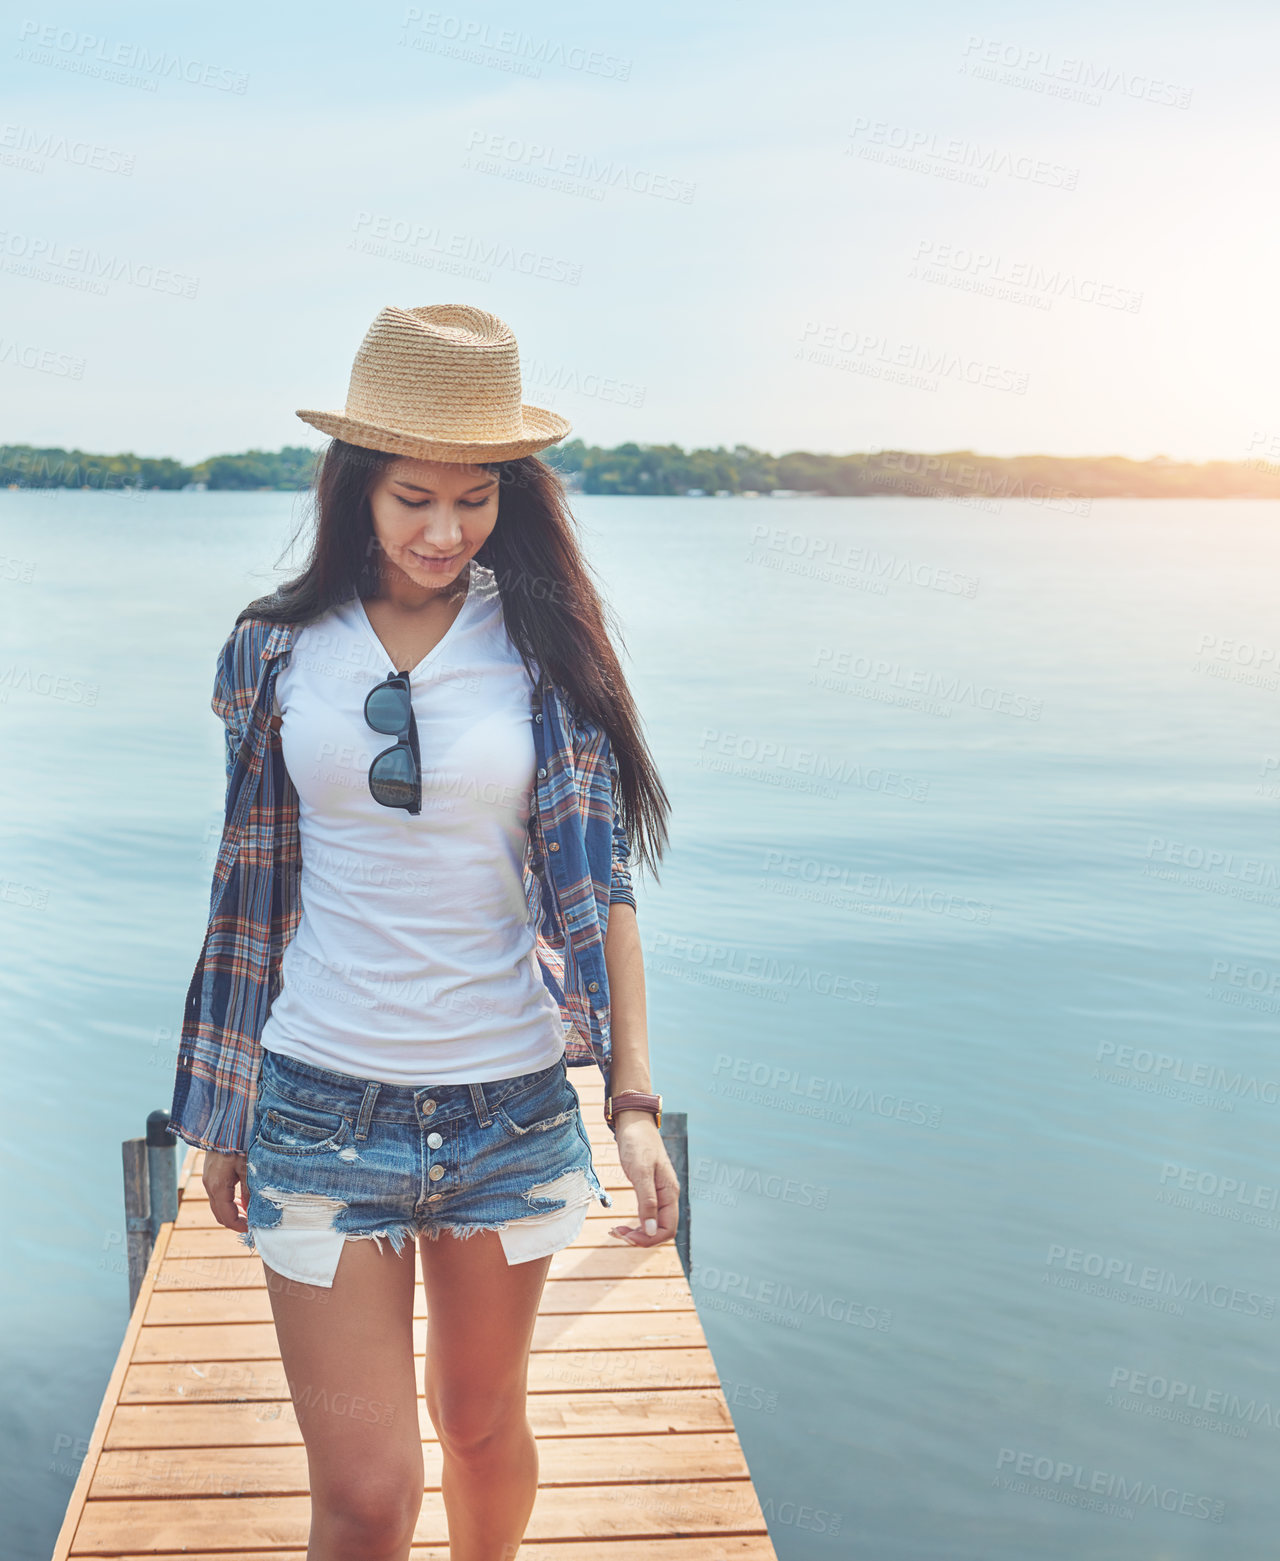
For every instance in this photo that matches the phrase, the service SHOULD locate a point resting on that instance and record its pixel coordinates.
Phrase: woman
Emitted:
(421, 912)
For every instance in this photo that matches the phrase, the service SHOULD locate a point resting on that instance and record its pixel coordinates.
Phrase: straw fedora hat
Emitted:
(440, 383)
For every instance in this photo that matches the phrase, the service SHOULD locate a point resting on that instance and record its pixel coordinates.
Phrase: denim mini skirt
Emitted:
(333, 1158)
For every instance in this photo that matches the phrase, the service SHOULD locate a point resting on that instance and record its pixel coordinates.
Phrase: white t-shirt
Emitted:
(414, 961)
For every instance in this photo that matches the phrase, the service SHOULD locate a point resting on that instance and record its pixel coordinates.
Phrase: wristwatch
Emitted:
(632, 1100)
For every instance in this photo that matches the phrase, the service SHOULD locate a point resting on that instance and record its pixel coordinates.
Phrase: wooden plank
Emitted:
(281, 1470)
(596, 1512)
(727, 1547)
(253, 1303)
(272, 1422)
(602, 1371)
(257, 1341)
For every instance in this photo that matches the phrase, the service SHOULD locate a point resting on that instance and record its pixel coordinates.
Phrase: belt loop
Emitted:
(479, 1102)
(366, 1108)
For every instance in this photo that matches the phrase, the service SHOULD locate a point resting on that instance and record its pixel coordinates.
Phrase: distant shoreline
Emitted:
(1055, 481)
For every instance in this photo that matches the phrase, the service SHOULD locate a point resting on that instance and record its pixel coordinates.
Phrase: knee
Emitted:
(369, 1513)
(469, 1424)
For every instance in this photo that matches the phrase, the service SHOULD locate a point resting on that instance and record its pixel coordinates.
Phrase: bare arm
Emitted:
(624, 962)
(640, 1147)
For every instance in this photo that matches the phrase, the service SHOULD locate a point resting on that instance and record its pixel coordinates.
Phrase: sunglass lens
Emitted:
(387, 710)
(392, 779)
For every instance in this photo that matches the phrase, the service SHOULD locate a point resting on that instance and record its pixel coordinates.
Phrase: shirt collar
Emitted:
(281, 637)
(278, 641)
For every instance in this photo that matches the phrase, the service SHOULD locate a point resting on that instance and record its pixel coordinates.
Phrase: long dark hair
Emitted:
(552, 609)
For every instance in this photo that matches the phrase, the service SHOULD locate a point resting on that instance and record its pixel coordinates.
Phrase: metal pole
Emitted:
(162, 1169)
(675, 1137)
(137, 1213)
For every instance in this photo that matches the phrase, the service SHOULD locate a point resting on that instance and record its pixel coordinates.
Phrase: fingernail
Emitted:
(651, 1227)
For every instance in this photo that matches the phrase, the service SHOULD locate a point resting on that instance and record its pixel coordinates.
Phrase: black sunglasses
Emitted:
(395, 776)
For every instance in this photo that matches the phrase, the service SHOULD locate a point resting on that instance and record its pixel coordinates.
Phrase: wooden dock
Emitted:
(196, 1451)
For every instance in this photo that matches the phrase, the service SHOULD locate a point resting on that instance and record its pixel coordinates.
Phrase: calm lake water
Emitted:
(963, 964)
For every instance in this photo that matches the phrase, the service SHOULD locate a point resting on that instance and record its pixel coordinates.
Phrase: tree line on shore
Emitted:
(668, 470)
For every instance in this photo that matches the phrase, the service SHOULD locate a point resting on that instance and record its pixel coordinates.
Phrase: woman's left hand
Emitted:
(649, 1170)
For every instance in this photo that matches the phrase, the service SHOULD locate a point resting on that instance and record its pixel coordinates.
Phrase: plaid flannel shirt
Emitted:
(576, 864)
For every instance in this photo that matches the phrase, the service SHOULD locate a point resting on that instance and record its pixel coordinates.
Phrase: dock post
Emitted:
(150, 1193)
(675, 1138)
(162, 1170)
(137, 1213)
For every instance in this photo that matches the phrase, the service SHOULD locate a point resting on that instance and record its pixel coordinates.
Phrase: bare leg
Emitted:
(348, 1358)
(480, 1317)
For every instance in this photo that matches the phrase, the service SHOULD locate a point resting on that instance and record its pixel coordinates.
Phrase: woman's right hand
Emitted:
(221, 1174)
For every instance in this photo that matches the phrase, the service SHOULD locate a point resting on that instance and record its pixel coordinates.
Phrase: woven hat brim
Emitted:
(541, 428)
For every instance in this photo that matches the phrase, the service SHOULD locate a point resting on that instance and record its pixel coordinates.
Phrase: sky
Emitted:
(1009, 228)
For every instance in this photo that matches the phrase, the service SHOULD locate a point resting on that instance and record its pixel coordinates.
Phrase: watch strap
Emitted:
(632, 1100)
